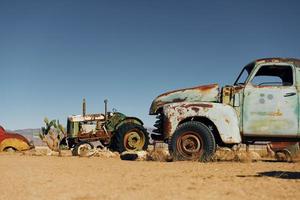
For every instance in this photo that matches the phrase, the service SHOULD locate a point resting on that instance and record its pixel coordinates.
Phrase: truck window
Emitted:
(273, 75)
(241, 79)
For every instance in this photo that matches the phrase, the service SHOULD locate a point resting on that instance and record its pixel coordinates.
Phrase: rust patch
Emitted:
(180, 111)
(201, 88)
(203, 105)
(281, 145)
(195, 109)
(237, 89)
(167, 128)
(207, 87)
(294, 61)
(178, 100)
(180, 118)
(277, 113)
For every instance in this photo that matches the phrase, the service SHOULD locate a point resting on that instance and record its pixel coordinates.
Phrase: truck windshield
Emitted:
(241, 79)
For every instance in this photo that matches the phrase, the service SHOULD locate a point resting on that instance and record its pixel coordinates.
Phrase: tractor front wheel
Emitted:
(130, 137)
(82, 149)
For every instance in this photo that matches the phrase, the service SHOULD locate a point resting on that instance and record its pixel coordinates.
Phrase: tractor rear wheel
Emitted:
(192, 141)
(130, 137)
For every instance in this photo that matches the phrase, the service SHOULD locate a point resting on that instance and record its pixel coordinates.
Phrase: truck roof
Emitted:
(293, 61)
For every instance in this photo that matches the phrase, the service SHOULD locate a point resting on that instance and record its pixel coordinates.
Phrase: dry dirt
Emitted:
(63, 178)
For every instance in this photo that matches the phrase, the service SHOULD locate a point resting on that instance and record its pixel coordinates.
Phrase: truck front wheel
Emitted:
(192, 141)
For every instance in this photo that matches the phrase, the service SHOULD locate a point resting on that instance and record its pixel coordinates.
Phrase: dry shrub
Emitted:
(226, 154)
(44, 151)
(105, 153)
(243, 156)
(154, 153)
(65, 153)
(159, 154)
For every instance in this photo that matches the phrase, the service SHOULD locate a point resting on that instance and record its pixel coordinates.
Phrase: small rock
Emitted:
(106, 154)
(137, 155)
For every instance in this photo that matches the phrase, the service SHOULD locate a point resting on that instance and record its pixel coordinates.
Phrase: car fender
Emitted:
(223, 116)
(15, 143)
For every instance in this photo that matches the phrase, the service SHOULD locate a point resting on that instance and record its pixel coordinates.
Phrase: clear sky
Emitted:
(54, 53)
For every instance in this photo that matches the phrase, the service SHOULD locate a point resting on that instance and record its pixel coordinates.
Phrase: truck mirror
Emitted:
(236, 100)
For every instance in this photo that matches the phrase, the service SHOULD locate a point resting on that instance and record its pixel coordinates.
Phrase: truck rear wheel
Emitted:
(130, 137)
(192, 141)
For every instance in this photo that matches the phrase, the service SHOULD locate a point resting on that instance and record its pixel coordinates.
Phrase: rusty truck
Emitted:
(261, 105)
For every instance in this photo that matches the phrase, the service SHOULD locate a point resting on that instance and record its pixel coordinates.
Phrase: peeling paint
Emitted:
(215, 112)
(206, 93)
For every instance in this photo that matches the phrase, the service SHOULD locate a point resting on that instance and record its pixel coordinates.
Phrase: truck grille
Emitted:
(159, 123)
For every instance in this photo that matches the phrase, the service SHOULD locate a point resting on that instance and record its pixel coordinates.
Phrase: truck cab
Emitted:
(261, 105)
(265, 97)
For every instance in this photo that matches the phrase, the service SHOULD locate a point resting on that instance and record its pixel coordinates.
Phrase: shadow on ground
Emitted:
(275, 174)
(279, 161)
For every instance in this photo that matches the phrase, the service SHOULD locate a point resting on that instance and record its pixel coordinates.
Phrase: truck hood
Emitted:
(204, 93)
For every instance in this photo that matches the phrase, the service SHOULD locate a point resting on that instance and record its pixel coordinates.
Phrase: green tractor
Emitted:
(112, 130)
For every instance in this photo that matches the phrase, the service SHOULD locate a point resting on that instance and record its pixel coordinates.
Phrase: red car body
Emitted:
(13, 141)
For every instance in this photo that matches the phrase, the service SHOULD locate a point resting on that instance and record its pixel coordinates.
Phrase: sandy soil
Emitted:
(75, 178)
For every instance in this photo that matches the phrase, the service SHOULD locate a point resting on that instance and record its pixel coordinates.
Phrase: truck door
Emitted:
(271, 102)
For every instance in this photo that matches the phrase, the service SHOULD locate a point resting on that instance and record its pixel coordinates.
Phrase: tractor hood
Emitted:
(204, 93)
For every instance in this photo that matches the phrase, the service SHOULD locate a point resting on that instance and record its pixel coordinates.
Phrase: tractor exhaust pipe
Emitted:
(83, 107)
(105, 109)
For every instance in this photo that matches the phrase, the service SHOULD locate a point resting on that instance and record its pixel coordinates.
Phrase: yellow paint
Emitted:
(17, 144)
(277, 113)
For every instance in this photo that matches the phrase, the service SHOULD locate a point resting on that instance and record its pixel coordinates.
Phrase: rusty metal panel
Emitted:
(13, 140)
(89, 117)
(15, 143)
(293, 61)
(205, 93)
(223, 116)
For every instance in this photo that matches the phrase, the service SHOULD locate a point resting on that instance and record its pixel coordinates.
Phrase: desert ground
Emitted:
(81, 178)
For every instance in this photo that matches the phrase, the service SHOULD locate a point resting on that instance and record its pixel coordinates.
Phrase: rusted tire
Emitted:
(192, 141)
(130, 137)
(82, 148)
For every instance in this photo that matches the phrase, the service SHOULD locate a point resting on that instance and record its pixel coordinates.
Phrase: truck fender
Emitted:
(223, 116)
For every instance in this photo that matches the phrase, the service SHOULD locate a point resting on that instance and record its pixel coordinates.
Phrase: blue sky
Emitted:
(54, 53)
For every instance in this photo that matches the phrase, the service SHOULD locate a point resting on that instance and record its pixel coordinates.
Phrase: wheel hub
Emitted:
(191, 144)
(134, 140)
